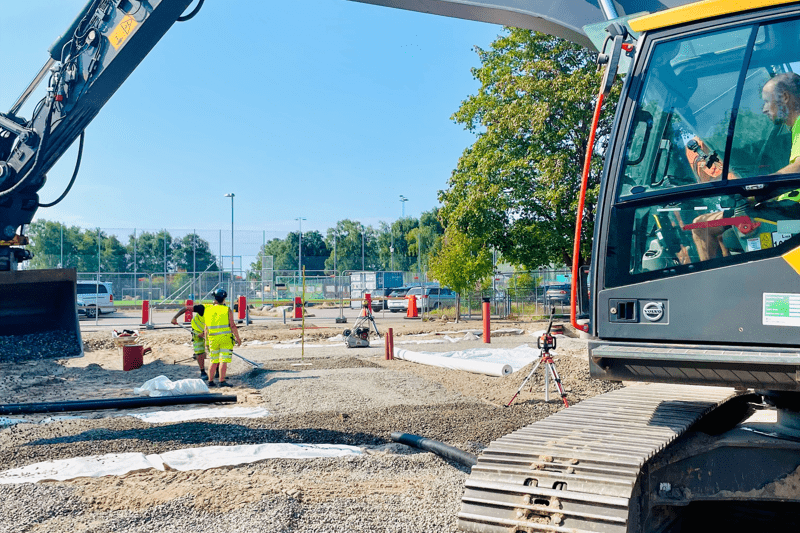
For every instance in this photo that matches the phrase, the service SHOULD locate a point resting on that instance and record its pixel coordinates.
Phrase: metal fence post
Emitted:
(97, 284)
(194, 262)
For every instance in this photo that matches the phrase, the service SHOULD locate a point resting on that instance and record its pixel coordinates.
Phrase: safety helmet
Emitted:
(220, 295)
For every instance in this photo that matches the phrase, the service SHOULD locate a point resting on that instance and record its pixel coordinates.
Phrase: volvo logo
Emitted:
(653, 311)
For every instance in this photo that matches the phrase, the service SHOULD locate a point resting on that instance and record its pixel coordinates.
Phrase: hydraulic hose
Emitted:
(184, 18)
(112, 403)
(74, 174)
(576, 251)
(439, 448)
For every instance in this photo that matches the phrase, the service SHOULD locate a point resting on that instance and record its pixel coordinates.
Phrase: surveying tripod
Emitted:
(545, 343)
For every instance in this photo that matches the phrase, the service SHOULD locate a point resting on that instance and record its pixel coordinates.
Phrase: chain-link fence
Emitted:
(523, 294)
(174, 265)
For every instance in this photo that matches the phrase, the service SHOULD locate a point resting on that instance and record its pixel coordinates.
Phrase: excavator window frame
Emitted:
(609, 267)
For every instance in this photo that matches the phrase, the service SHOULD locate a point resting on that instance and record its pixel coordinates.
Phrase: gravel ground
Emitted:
(330, 395)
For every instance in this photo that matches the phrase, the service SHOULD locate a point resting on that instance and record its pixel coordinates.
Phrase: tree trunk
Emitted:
(458, 307)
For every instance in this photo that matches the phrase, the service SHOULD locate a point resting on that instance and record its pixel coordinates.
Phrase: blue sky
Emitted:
(322, 109)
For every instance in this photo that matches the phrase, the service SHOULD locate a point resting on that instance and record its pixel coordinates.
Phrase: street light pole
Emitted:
(362, 248)
(231, 195)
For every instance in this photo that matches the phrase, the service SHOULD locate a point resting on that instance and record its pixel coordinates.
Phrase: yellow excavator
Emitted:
(695, 270)
(695, 279)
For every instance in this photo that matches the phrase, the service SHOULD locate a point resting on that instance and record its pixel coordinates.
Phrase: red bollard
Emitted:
(386, 347)
(487, 335)
(187, 316)
(390, 334)
(298, 308)
(242, 307)
(145, 312)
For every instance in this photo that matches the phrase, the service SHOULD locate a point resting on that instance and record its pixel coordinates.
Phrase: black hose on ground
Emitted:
(439, 448)
(112, 403)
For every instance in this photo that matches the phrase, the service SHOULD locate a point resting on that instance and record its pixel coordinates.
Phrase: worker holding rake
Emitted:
(221, 331)
(199, 339)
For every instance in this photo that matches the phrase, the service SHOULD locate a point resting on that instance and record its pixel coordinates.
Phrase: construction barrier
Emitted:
(412, 307)
(145, 312)
(487, 336)
(298, 308)
(187, 317)
(242, 307)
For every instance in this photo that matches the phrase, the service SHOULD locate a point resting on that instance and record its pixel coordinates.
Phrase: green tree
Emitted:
(45, 237)
(315, 251)
(352, 238)
(396, 235)
(517, 186)
(150, 251)
(191, 252)
(79, 248)
(461, 263)
(425, 239)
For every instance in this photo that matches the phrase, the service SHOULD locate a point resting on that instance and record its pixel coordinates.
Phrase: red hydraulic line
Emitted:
(587, 165)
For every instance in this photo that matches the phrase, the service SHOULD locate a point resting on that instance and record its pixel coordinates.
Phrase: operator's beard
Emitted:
(781, 115)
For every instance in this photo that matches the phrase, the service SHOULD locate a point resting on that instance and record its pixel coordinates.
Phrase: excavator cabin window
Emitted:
(707, 179)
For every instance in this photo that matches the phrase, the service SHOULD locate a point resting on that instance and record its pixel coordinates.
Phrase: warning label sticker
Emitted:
(781, 309)
(121, 32)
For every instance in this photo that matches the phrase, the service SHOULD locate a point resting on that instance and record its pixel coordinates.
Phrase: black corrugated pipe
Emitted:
(439, 448)
(112, 403)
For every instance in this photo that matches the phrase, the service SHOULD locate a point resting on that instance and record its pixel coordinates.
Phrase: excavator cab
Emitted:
(38, 315)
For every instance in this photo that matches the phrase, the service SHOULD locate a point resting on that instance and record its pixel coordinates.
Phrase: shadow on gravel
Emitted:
(207, 433)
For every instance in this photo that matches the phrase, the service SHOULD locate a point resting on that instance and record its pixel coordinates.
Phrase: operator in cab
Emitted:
(781, 95)
(221, 331)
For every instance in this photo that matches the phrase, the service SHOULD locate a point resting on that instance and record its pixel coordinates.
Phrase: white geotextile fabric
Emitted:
(489, 361)
(476, 367)
(117, 464)
(182, 415)
(163, 386)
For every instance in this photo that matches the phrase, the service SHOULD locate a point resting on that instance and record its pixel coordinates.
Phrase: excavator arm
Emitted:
(87, 64)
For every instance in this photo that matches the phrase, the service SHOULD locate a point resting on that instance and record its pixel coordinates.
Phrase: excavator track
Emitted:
(576, 470)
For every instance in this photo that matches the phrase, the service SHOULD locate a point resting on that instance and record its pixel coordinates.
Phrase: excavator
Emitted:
(694, 274)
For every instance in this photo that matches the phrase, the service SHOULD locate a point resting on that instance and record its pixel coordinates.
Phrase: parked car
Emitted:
(558, 294)
(93, 297)
(395, 306)
(377, 295)
(434, 297)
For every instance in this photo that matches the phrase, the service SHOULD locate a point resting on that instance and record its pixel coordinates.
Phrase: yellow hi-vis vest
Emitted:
(198, 323)
(216, 318)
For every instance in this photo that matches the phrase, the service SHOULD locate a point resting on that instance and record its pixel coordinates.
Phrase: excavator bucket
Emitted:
(38, 315)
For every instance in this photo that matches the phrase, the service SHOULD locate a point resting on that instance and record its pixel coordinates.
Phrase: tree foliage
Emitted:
(461, 262)
(192, 253)
(79, 248)
(517, 186)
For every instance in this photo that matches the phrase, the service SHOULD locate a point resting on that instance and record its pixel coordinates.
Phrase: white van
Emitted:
(94, 297)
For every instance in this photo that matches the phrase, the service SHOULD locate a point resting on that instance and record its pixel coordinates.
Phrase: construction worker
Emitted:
(199, 339)
(220, 331)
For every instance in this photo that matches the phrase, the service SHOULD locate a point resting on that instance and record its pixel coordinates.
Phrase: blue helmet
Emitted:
(220, 295)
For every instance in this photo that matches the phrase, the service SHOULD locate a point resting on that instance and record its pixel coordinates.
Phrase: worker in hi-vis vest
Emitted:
(199, 339)
(220, 332)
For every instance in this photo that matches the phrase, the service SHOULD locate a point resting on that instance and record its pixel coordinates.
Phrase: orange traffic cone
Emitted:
(412, 307)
